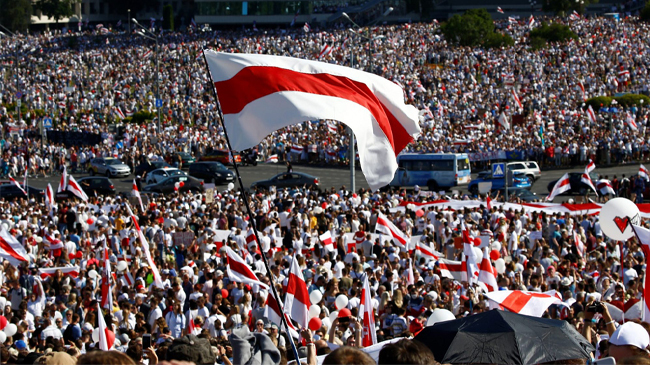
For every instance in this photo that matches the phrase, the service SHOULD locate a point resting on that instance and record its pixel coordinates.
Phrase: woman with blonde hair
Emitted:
(383, 303)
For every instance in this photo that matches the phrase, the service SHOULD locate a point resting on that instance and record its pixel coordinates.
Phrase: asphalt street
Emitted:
(337, 177)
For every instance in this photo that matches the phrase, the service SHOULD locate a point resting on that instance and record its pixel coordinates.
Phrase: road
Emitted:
(337, 177)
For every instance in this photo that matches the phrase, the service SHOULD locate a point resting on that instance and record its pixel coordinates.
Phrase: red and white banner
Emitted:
(452, 269)
(560, 187)
(367, 314)
(643, 172)
(605, 187)
(13, 181)
(644, 237)
(580, 246)
(385, 226)
(582, 90)
(118, 112)
(105, 340)
(515, 97)
(251, 85)
(272, 159)
(297, 148)
(63, 183)
(11, 250)
(51, 243)
(591, 114)
(499, 10)
(630, 121)
(49, 197)
(136, 193)
(586, 179)
(429, 253)
(76, 189)
(522, 302)
(471, 263)
(591, 166)
(328, 242)
(72, 271)
(239, 272)
(272, 312)
(145, 248)
(487, 273)
(297, 298)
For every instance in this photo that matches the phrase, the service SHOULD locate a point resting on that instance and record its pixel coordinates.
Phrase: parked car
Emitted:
(519, 181)
(91, 185)
(288, 180)
(529, 168)
(109, 166)
(144, 168)
(577, 186)
(158, 175)
(523, 194)
(212, 172)
(221, 156)
(186, 158)
(9, 191)
(166, 186)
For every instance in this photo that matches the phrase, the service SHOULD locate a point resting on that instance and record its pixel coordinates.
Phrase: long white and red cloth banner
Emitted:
(72, 271)
(550, 208)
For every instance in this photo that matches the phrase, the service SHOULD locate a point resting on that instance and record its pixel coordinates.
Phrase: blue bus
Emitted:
(433, 170)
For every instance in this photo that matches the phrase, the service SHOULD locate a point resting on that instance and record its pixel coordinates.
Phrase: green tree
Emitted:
(645, 12)
(122, 7)
(474, 28)
(57, 9)
(168, 17)
(541, 36)
(564, 7)
(16, 14)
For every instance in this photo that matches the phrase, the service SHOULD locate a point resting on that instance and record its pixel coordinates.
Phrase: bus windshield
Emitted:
(462, 164)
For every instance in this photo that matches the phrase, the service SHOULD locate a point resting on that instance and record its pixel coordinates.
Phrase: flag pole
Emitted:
(251, 219)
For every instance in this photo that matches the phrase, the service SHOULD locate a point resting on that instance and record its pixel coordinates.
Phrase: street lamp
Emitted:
(352, 150)
(142, 33)
(129, 17)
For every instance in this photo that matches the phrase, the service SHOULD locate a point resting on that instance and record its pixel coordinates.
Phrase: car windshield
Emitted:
(176, 173)
(216, 167)
(113, 161)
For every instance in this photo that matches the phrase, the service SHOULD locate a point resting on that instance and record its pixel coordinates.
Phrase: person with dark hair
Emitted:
(105, 358)
(406, 352)
(348, 355)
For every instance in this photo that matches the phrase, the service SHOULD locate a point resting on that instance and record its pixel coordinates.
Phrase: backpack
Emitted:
(67, 334)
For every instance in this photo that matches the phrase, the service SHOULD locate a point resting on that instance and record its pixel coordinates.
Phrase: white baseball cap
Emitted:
(630, 333)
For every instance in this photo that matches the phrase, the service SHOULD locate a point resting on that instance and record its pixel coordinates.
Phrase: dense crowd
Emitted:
(199, 313)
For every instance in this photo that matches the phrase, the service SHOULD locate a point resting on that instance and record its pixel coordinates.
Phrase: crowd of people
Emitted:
(197, 312)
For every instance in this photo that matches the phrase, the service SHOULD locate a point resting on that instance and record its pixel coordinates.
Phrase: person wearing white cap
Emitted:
(630, 339)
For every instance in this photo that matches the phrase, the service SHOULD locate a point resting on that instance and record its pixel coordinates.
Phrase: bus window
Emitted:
(463, 164)
(420, 166)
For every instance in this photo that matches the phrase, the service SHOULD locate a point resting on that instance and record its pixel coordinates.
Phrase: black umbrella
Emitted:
(499, 337)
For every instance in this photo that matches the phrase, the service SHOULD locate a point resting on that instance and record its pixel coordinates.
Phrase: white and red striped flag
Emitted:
(591, 166)
(488, 202)
(50, 243)
(146, 54)
(145, 248)
(582, 90)
(136, 193)
(367, 314)
(429, 253)
(297, 297)
(452, 269)
(272, 312)
(250, 85)
(512, 19)
(531, 21)
(643, 235)
(467, 237)
(25, 180)
(72, 271)
(605, 187)
(272, 159)
(107, 295)
(325, 50)
(499, 10)
(13, 181)
(586, 179)
(105, 340)
(190, 323)
(522, 302)
(118, 112)
(11, 250)
(471, 263)
(385, 226)
(644, 173)
(630, 121)
(574, 15)
(328, 242)
(487, 273)
(239, 272)
(591, 114)
(515, 97)
(580, 246)
(63, 183)
(49, 196)
(76, 189)
(296, 148)
(331, 127)
(560, 187)
(127, 278)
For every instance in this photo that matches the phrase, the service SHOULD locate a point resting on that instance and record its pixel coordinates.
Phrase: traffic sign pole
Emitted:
(505, 177)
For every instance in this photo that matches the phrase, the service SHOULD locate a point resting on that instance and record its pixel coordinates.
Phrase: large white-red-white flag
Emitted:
(272, 312)
(297, 298)
(428, 252)
(13, 181)
(580, 246)
(11, 250)
(586, 179)
(644, 173)
(631, 121)
(522, 302)
(145, 248)
(515, 97)
(72, 271)
(49, 197)
(76, 189)
(560, 187)
(644, 237)
(328, 242)
(63, 183)
(105, 340)
(605, 187)
(385, 226)
(591, 114)
(107, 293)
(452, 269)
(136, 193)
(367, 314)
(262, 93)
(239, 272)
(487, 273)
(591, 166)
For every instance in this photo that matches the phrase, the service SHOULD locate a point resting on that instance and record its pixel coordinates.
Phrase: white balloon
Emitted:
(3, 337)
(440, 315)
(92, 274)
(341, 302)
(231, 186)
(96, 335)
(326, 322)
(10, 329)
(478, 253)
(334, 315)
(616, 218)
(122, 265)
(496, 245)
(315, 296)
(314, 311)
(500, 265)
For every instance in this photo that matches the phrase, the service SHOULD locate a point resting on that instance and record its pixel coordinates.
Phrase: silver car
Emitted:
(109, 166)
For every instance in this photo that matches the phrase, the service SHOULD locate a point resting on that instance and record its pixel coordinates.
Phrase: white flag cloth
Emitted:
(239, 272)
(272, 312)
(452, 269)
(644, 236)
(63, 183)
(560, 187)
(76, 189)
(487, 273)
(11, 250)
(105, 343)
(136, 193)
(328, 242)
(522, 302)
(296, 301)
(643, 172)
(385, 226)
(49, 197)
(72, 271)
(145, 248)
(367, 315)
(261, 93)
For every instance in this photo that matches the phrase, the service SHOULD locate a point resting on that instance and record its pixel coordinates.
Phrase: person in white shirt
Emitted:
(50, 330)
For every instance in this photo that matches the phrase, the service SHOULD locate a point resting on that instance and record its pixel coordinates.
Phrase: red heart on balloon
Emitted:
(622, 223)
